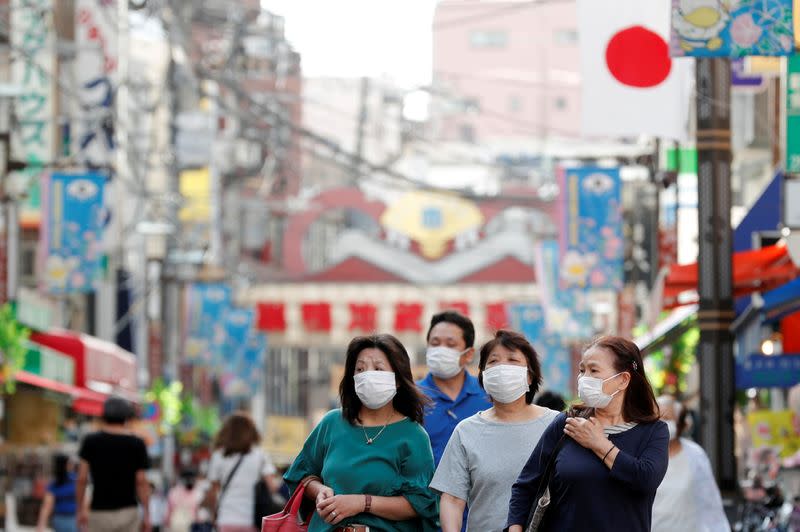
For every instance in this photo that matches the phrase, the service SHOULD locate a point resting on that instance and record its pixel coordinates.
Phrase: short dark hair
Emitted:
(514, 341)
(457, 319)
(551, 400)
(640, 404)
(60, 469)
(238, 434)
(116, 411)
(409, 401)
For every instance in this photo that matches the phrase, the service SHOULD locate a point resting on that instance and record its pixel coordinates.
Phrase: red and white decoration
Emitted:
(631, 85)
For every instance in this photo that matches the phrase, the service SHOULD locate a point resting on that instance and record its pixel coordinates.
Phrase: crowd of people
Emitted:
(453, 452)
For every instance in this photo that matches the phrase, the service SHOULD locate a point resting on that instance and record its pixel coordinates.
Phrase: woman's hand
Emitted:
(323, 493)
(587, 433)
(338, 507)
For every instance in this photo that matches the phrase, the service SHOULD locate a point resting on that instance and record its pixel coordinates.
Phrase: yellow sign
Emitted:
(432, 220)
(284, 436)
(195, 186)
(774, 429)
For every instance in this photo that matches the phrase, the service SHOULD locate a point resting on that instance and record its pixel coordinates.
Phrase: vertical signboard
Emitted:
(96, 80)
(33, 66)
(793, 114)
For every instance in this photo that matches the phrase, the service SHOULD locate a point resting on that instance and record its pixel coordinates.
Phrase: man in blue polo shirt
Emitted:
(455, 394)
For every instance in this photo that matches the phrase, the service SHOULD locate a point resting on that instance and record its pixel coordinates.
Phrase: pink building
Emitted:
(506, 69)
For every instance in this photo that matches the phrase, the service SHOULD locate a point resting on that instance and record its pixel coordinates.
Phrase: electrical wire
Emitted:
(494, 13)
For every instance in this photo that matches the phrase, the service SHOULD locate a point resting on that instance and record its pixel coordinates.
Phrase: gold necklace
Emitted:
(370, 440)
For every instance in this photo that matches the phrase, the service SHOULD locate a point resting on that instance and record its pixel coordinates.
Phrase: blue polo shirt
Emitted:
(444, 414)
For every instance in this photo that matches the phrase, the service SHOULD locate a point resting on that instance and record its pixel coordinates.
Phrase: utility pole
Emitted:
(715, 267)
(361, 131)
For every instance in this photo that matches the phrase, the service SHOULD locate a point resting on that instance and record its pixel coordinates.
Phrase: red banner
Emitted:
(407, 317)
(363, 317)
(271, 317)
(317, 316)
(496, 316)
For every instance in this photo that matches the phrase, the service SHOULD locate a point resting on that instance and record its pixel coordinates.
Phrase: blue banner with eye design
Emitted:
(592, 248)
(71, 241)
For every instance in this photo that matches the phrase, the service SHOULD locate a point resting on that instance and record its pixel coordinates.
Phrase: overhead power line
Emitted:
(494, 13)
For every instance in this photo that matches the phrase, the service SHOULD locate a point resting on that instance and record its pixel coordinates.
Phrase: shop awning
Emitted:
(667, 329)
(781, 301)
(84, 401)
(753, 271)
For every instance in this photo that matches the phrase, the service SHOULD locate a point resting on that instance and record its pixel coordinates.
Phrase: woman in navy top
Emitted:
(614, 453)
(59, 501)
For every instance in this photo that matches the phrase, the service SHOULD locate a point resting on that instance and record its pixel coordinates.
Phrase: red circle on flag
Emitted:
(638, 57)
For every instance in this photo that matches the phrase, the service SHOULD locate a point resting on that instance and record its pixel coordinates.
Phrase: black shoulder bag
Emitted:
(543, 493)
(263, 499)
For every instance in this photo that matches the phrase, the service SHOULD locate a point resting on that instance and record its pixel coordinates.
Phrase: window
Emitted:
(561, 103)
(566, 37)
(515, 104)
(488, 39)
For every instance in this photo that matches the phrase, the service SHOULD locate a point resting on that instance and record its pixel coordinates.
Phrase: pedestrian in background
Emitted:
(158, 508)
(688, 497)
(609, 453)
(236, 466)
(488, 450)
(368, 465)
(117, 462)
(455, 394)
(183, 501)
(551, 400)
(59, 507)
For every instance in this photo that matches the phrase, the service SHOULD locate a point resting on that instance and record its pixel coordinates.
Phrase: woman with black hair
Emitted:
(59, 506)
(609, 453)
(368, 465)
(487, 450)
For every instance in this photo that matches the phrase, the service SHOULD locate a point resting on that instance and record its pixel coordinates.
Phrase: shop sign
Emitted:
(762, 371)
(36, 311)
(793, 114)
(50, 364)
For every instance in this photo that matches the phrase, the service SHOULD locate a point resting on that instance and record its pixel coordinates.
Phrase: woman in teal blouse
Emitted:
(371, 461)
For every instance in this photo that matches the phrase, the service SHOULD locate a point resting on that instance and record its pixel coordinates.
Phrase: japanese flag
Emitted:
(631, 85)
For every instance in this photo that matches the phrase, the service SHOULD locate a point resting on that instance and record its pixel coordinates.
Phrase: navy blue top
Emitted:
(442, 416)
(64, 495)
(585, 494)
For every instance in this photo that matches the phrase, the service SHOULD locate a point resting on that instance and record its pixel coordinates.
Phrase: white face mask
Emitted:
(506, 383)
(590, 390)
(672, 427)
(375, 388)
(444, 362)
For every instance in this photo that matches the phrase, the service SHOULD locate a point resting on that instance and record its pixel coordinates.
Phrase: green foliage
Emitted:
(13, 349)
(168, 399)
(668, 367)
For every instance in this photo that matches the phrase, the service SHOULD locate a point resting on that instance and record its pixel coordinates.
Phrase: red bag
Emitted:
(289, 520)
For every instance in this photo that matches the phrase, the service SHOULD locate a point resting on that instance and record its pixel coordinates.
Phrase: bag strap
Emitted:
(544, 483)
(228, 481)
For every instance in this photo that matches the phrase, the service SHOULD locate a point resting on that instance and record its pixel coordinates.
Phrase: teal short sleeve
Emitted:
(310, 460)
(416, 471)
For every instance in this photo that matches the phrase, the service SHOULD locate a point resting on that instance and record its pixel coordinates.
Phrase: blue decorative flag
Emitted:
(72, 240)
(206, 305)
(720, 28)
(592, 248)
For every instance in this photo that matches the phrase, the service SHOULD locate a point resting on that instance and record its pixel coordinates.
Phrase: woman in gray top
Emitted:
(488, 450)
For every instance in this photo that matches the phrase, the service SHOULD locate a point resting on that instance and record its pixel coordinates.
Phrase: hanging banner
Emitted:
(715, 28)
(554, 356)
(567, 312)
(793, 114)
(96, 80)
(33, 69)
(72, 236)
(227, 347)
(205, 306)
(592, 247)
(248, 369)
